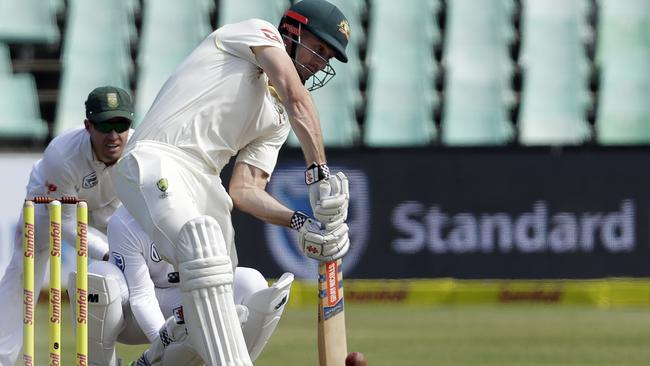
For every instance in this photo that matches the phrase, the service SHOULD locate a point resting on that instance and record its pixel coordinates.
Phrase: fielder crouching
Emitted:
(135, 298)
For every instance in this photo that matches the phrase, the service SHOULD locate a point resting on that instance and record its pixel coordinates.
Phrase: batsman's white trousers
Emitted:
(164, 187)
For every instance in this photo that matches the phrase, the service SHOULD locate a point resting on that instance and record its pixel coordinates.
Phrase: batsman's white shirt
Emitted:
(68, 168)
(216, 104)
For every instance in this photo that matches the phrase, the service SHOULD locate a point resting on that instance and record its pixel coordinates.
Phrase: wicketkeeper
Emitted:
(76, 163)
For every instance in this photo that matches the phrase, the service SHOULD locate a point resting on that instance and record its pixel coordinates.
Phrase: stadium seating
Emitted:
(393, 78)
(475, 114)
(478, 70)
(170, 31)
(401, 95)
(623, 56)
(5, 60)
(232, 11)
(556, 69)
(28, 21)
(624, 108)
(20, 111)
(96, 51)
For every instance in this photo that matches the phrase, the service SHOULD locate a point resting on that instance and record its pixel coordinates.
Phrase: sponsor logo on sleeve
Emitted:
(89, 181)
(268, 33)
(178, 315)
(154, 253)
(118, 260)
(173, 277)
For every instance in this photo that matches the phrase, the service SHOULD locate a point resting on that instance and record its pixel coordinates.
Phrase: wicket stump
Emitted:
(29, 295)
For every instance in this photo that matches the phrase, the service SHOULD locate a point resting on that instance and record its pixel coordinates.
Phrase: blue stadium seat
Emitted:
(623, 25)
(21, 117)
(88, 63)
(475, 114)
(233, 11)
(28, 21)
(478, 71)
(624, 100)
(478, 29)
(556, 70)
(401, 80)
(170, 31)
(623, 56)
(5, 60)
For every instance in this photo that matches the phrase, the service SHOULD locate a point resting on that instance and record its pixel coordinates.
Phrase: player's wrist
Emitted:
(316, 172)
(298, 219)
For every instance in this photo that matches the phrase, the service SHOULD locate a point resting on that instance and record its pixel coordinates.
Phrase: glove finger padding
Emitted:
(338, 243)
(339, 191)
(330, 200)
(324, 245)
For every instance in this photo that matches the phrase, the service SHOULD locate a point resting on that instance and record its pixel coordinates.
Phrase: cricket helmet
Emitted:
(326, 22)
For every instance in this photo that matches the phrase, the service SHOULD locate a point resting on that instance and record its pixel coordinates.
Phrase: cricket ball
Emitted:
(355, 359)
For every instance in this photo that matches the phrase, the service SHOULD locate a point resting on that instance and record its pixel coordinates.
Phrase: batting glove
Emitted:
(318, 243)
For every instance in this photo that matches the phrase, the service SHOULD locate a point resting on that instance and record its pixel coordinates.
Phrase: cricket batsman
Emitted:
(238, 93)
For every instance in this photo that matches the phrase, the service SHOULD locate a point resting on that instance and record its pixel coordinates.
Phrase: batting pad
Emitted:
(206, 282)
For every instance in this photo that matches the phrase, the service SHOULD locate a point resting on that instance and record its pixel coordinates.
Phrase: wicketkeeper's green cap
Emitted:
(107, 102)
(326, 21)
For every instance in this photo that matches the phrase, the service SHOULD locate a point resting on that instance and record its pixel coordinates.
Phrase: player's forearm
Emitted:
(259, 203)
(146, 311)
(306, 126)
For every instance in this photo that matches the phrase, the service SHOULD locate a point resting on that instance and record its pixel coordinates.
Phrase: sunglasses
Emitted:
(107, 127)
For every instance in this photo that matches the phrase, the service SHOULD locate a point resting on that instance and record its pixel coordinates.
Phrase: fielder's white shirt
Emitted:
(217, 103)
(136, 255)
(69, 168)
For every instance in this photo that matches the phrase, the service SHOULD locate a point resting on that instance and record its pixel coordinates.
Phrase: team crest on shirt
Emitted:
(89, 181)
(163, 185)
(118, 260)
(344, 27)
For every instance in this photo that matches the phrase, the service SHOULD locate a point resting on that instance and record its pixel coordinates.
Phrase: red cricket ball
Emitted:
(355, 359)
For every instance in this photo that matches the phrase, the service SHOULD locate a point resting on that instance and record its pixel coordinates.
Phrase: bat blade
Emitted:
(332, 343)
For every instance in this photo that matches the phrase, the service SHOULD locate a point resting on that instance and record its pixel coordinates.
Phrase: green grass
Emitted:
(504, 335)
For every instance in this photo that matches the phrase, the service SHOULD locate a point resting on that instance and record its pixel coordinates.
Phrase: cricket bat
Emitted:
(332, 344)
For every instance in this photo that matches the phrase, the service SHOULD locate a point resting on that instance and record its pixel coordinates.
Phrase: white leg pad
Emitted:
(265, 308)
(171, 348)
(206, 282)
(106, 295)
